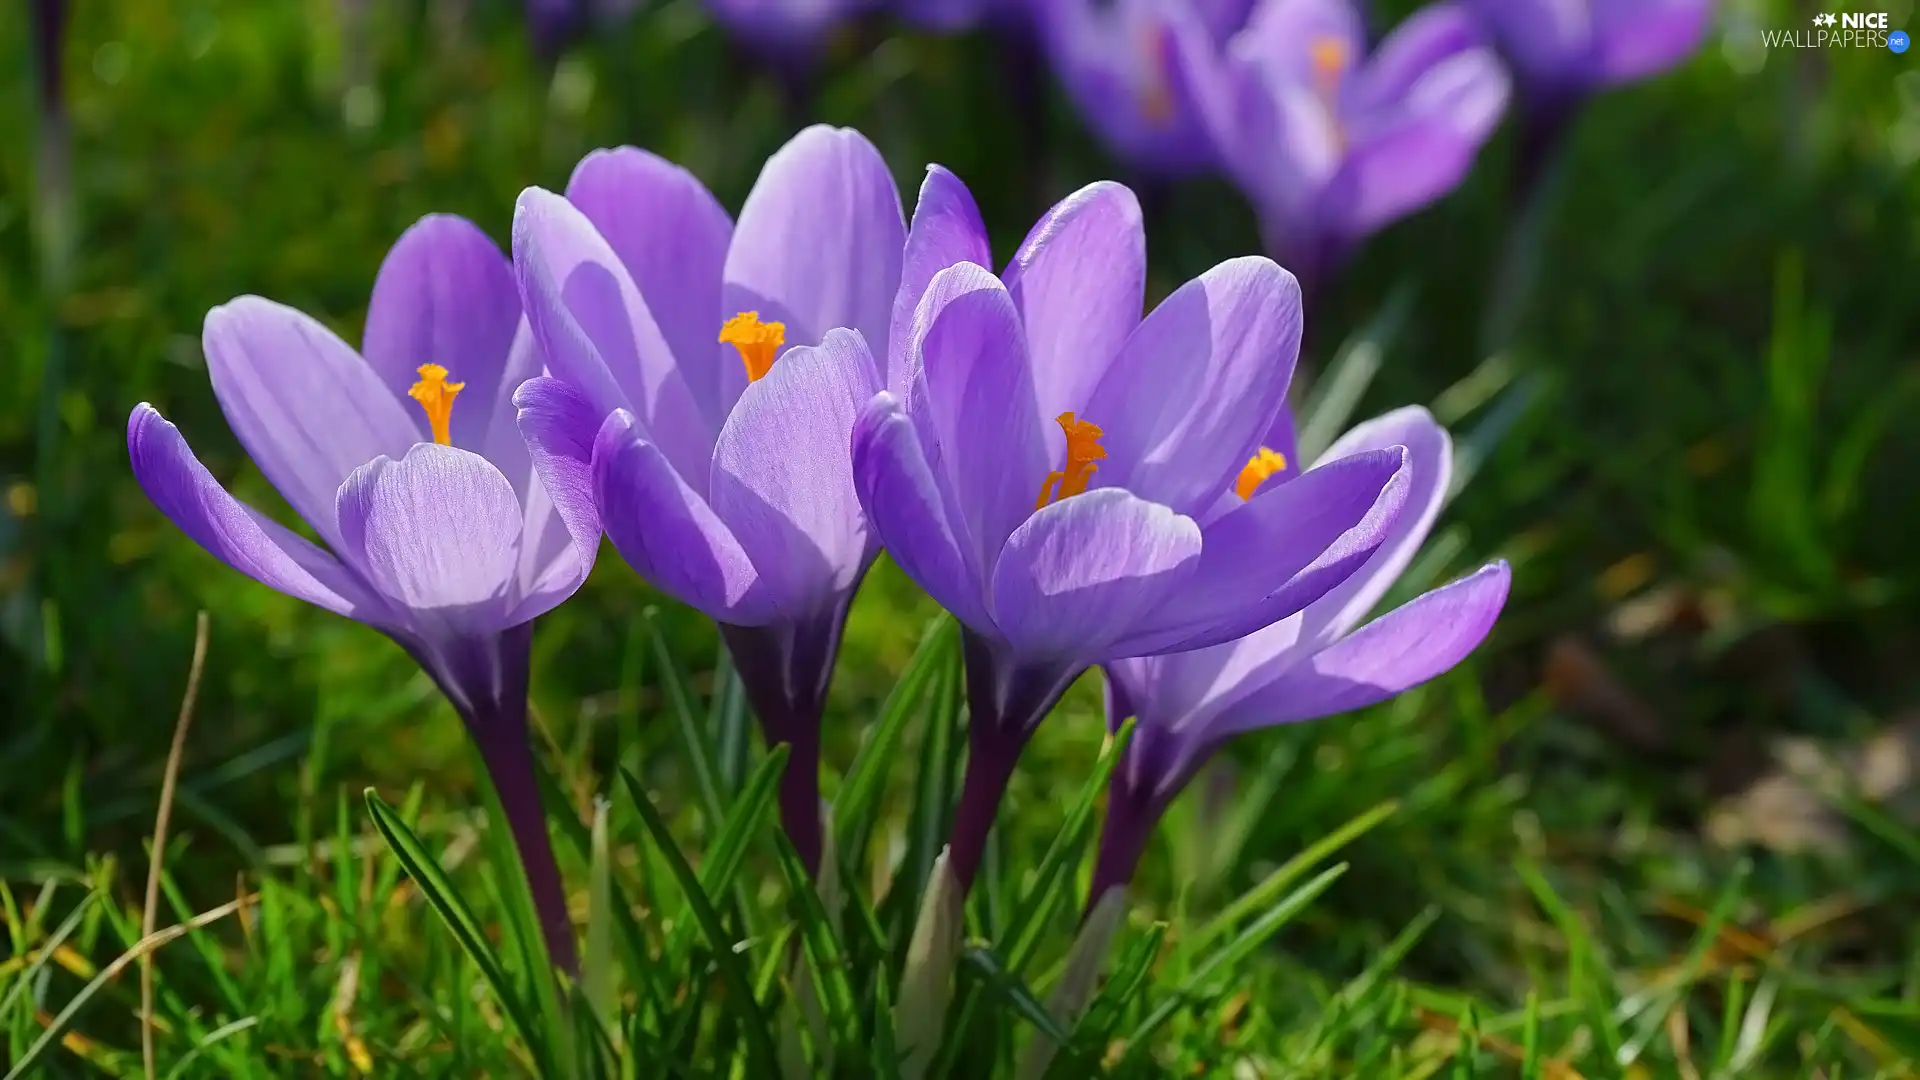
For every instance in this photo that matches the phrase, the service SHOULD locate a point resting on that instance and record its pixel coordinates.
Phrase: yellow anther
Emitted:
(435, 394)
(1259, 467)
(758, 342)
(1083, 449)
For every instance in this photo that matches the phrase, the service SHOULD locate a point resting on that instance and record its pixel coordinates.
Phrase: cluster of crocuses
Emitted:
(1330, 137)
(752, 409)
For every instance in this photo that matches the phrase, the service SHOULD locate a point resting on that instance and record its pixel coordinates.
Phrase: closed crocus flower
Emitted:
(705, 377)
(1330, 143)
(1120, 61)
(1566, 49)
(1059, 473)
(784, 26)
(1310, 665)
(404, 458)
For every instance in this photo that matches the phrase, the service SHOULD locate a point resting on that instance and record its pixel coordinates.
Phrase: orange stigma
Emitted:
(757, 342)
(435, 394)
(1330, 59)
(1156, 94)
(1259, 467)
(1083, 449)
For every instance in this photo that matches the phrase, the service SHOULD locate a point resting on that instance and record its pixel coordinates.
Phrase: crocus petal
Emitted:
(1281, 551)
(946, 230)
(666, 531)
(1426, 39)
(234, 532)
(1079, 282)
(1286, 35)
(1429, 471)
(783, 475)
(671, 234)
(1414, 642)
(559, 425)
(1427, 149)
(903, 501)
(445, 295)
(1637, 38)
(1081, 572)
(971, 396)
(307, 408)
(438, 534)
(597, 333)
(1185, 403)
(819, 241)
(1550, 40)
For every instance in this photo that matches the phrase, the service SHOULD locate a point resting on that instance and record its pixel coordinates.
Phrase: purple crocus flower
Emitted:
(1331, 144)
(1120, 61)
(784, 27)
(1566, 49)
(705, 380)
(951, 15)
(437, 531)
(1058, 473)
(1310, 665)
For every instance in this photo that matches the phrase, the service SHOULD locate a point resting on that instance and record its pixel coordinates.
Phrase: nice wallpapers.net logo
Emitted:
(1842, 30)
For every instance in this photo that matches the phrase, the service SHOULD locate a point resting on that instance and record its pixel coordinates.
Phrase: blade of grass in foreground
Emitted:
(762, 1058)
(859, 795)
(446, 902)
(1269, 889)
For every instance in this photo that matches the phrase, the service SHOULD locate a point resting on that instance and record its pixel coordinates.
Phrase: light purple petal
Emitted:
(1284, 36)
(819, 241)
(783, 475)
(971, 397)
(946, 230)
(1550, 40)
(1427, 147)
(559, 426)
(234, 532)
(1079, 282)
(1426, 39)
(1638, 38)
(904, 504)
(1281, 551)
(1193, 390)
(307, 408)
(1409, 645)
(438, 534)
(446, 295)
(1085, 570)
(672, 235)
(667, 532)
(597, 333)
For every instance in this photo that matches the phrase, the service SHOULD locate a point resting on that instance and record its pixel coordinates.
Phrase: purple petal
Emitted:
(1638, 38)
(1082, 572)
(908, 513)
(946, 230)
(445, 295)
(1414, 642)
(1193, 390)
(597, 333)
(1426, 39)
(1550, 40)
(783, 475)
(1079, 281)
(672, 235)
(1284, 36)
(234, 532)
(1281, 551)
(970, 394)
(667, 532)
(559, 426)
(1119, 63)
(307, 408)
(819, 241)
(438, 534)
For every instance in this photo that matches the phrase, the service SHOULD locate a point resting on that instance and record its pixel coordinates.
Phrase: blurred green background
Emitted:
(1699, 454)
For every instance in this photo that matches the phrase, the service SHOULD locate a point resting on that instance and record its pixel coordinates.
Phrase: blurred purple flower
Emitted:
(1310, 665)
(705, 377)
(437, 530)
(1331, 144)
(555, 24)
(784, 26)
(1120, 61)
(1046, 380)
(1566, 49)
(951, 15)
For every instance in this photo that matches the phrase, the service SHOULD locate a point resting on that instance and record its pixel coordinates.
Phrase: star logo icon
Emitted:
(1824, 19)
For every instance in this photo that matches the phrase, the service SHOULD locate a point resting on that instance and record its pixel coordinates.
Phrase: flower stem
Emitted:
(990, 765)
(508, 756)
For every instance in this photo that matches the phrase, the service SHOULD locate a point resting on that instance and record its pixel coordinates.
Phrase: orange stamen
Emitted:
(435, 394)
(1083, 449)
(1259, 467)
(758, 342)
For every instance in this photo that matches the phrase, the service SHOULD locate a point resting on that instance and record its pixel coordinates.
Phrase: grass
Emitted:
(1691, 444)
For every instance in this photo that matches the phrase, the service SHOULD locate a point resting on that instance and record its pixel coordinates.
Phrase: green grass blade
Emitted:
(855, 805)
(1002, 983)
(693, 734)
(1263, 895)
(827, 958)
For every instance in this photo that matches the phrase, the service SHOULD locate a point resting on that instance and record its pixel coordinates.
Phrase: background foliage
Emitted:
(1670, 804)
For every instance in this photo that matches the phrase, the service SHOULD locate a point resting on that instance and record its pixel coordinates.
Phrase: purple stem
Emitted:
(1131, 815)
(990, 760)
